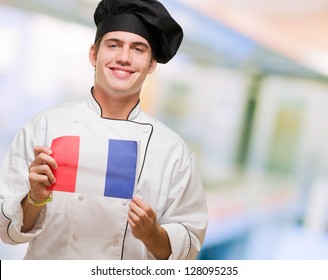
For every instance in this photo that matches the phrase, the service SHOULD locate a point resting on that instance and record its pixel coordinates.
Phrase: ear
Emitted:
(152, 66)
(93, 55)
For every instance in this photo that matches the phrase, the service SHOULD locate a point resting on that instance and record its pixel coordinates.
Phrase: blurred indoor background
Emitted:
(248, 92)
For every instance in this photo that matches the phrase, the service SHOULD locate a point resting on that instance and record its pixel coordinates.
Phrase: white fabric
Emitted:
(81, 226)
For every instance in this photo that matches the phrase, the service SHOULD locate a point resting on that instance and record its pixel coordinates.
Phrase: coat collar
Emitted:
(95, 107)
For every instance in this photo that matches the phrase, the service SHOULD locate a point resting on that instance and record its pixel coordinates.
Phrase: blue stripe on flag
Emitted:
(121, 168)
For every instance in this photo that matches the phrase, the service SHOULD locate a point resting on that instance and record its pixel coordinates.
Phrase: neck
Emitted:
(115, 107)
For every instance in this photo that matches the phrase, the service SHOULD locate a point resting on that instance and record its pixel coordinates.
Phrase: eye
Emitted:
(112, 46)
(139, 49)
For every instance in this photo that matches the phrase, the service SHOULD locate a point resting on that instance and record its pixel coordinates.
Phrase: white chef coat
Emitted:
(81, 226)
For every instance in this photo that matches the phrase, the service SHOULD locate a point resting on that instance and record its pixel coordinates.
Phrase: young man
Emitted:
(150, 203)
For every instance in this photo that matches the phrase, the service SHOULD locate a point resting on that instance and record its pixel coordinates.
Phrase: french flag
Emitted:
(105, 167)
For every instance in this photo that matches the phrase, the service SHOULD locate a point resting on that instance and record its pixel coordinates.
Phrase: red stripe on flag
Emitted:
(66, 152)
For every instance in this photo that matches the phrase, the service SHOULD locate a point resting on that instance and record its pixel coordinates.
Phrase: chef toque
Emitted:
(147, 18)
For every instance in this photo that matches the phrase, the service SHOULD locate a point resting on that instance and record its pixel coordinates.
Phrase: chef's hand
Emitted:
(143, 222)
(40, 175)
(40, 178)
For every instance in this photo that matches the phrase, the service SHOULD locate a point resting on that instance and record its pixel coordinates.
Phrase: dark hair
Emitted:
(97, 44)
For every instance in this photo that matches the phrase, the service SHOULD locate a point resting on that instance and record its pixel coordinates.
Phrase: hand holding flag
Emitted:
(41, 176)
(143, 222)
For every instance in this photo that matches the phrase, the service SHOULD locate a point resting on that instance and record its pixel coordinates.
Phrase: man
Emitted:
(153, 204)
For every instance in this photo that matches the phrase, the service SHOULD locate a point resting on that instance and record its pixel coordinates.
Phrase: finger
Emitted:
(41, 149)
(144, 206)
(135, 218)
(37, 180)
(135, 229)
(139, 215)
(132, 223)
(134, 208)
(44, 170)
(42, 159)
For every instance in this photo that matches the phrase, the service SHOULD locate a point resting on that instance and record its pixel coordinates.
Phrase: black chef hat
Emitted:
(147, 18)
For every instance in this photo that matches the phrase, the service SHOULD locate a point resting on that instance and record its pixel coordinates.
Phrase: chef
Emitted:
(99, 178)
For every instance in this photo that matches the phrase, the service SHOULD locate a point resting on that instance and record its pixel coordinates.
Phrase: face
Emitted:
(122, 63)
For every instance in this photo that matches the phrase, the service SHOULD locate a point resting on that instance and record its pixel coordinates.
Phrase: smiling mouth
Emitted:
(121, 73)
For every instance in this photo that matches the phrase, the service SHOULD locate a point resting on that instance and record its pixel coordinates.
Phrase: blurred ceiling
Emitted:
(297, 29)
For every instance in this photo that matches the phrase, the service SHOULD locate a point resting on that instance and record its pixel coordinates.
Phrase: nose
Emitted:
(124, 56)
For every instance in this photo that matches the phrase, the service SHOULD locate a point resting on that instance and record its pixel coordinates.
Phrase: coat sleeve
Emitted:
(14, 187)
(186, 217)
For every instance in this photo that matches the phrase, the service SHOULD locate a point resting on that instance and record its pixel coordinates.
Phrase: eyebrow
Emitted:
(136, 43)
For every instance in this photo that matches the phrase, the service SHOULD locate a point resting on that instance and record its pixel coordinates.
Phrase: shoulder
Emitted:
(65, 108)
(56, 116)
(59, 111)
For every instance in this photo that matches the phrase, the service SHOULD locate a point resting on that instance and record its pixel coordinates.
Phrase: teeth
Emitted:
(121, 72)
